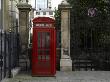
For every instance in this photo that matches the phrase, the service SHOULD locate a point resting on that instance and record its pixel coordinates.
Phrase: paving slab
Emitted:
(74, 76)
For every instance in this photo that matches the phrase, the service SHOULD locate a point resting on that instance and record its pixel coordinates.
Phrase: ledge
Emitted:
(24, 6)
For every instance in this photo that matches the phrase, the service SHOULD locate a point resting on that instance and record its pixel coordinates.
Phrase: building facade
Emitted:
(0, 13)
(8, 14)
(4, 14)
(13, 15)
(43, 9)
(45, 13)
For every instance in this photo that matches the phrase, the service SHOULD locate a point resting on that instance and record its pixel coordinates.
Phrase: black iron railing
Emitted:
(90, 48)
(9, 53)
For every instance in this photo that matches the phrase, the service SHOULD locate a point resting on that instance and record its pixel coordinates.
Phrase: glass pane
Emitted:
(39, 57)
(47, 52)
(38, 13)
(47, 57)
(44, 13)
(41, 4)
(51, 13)
(47, 42)
(39, 39)
(47, 25)
(37, 25)
(43, 57)
(39, 52)
(43, 45)
(43, 39)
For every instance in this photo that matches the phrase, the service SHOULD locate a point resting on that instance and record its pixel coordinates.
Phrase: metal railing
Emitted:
(9, 53)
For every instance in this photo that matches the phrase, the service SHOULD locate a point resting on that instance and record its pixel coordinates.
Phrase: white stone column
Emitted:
(65, 62)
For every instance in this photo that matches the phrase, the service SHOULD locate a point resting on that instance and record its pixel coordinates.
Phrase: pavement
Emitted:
(74, 76)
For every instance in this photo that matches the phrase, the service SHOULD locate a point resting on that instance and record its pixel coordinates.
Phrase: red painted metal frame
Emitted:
(44, 70)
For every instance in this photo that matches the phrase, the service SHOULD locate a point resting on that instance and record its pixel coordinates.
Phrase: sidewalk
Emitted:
(74, 76)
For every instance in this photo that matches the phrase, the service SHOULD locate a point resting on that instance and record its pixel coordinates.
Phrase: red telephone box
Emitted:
(44, 47)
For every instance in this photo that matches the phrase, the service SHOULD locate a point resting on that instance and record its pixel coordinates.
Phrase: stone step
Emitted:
(24, 62)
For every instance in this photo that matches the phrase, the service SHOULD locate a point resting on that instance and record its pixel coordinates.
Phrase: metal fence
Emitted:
(9, 50)
(90, 49)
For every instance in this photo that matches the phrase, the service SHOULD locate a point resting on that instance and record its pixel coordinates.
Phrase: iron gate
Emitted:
(90, 48)
(9, 46)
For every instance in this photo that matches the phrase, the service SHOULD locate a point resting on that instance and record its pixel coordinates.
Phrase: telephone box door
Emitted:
(44, 51)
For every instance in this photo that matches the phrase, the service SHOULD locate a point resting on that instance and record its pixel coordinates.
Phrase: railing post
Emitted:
(5, 45)
(9, 60)
(18, 46)
(1, 57)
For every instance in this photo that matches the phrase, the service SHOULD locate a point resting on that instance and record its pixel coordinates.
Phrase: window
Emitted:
(37, 13)
(51, 13)
(44, 13)
(37, 24)
(43, 40)
(47, 25)
(42, 4)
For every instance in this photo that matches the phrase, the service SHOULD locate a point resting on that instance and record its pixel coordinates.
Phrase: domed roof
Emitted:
(43, 19)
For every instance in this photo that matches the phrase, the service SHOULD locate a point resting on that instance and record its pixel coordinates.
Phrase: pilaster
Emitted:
(24, 10)
(65, 62)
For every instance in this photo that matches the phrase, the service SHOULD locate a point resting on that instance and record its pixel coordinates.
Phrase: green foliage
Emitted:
(57, 19)
(58, 27)
(83, 24)
(81, 7)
